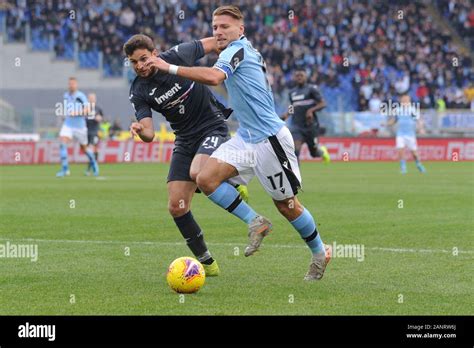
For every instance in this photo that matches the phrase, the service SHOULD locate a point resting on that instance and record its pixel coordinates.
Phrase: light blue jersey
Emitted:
(76, 101)
(406, 125)
(250, 93)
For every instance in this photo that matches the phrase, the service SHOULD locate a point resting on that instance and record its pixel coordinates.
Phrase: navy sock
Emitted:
(193, 235)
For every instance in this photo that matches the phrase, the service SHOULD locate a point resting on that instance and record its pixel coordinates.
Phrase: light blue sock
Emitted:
(403, 166)
(63, 156)
(227, 197)
(420, 166)
(306, 227)
(92, 161)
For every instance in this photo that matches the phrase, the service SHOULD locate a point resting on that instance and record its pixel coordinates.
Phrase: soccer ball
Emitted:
(185, 275)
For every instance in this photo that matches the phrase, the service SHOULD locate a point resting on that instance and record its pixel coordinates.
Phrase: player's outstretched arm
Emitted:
(310, 112)
(319, 106)
(210, 45)
(205, 75)
(144, 129)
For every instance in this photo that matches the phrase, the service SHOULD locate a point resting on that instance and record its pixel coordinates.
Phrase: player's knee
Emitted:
(177, 208)
(205, 183)
(284, 209)
(289, 208)
(193, 174)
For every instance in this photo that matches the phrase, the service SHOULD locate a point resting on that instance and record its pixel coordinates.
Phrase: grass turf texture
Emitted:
(82, 249)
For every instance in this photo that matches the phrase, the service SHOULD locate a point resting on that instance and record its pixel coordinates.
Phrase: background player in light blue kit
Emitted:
(74, 127)
(407, 121)
(263, 146)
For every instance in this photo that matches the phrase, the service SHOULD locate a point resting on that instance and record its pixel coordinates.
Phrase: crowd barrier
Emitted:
(341, 149)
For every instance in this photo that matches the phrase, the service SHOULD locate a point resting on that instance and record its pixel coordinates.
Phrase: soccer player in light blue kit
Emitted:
(407, 121)
(263, 146)
(74, 127)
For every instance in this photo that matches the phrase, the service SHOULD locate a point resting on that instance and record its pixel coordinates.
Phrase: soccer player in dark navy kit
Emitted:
(93, 125)
(305, 100)
(198, 121)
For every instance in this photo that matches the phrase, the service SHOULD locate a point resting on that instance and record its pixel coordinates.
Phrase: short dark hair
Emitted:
(138, 41)
(229, 10)
(72, 78)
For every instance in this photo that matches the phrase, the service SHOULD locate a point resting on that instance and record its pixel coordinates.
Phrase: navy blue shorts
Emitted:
(306, 135)
(92, 138)
(185, 149)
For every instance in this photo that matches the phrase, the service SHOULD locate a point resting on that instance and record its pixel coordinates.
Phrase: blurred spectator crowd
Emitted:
(360, 53)
(461, 15)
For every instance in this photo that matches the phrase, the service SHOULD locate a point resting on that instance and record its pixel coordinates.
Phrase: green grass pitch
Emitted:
(417, 232)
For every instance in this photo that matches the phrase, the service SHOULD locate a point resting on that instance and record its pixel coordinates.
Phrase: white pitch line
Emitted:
(278, 246)
(403, 250)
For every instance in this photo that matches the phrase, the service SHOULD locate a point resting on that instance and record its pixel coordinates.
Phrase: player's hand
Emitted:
(309, 117)
(136, 128)
(157, 63)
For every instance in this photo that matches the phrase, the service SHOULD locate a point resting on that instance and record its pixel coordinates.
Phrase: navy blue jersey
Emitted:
(92, 124)
(302, 99)
(188, 106)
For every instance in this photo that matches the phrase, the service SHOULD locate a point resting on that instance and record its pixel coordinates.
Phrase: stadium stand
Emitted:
(460, 13)
(357, 51)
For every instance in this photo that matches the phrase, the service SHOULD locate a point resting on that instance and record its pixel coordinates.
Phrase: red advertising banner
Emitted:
(341, 149)
(383, 149)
